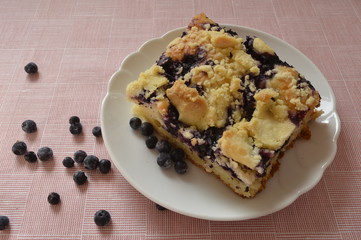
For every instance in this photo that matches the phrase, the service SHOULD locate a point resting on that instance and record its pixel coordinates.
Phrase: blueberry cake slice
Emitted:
(230, 103)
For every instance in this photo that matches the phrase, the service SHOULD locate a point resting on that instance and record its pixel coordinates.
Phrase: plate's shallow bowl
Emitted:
(197, 193)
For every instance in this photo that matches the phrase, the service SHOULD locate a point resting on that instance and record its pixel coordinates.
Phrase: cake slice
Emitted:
(230, 103)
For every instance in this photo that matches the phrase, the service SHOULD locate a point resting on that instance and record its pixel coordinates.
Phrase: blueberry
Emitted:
(74, 119)
(54, 198)
(97, 131)
(135, 123)
(159, 207)
(31, 68)
(76, 128)
(180, 167)
(4, 222)
(164, 160)
(163, 146)
(91, 162)
(45, 153)
(102, 218)
(104, 166)
(79, 156)
(151, 141)
(146, 129)
(177, 154)
(29, 126)
(80, 178)
(68, 162)
(30, 157)
(19, 148)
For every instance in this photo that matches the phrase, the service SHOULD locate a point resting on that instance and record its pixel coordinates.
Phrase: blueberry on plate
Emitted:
(163, 146)
(102, 217)
(31, 68)
(177, 154)
(19, 148)
(68, 162)
(4, 222)
(74, 120)
(54, 198)
(79, 156)
(181, 167)
(45, 153)
(146, 129)
(135, 123)
(30, 157)
(29, 126)
(164, 160)
(151, 141)
(97, 131)
(104, 166)
(80, 178)
(76, 128)
(91, 162)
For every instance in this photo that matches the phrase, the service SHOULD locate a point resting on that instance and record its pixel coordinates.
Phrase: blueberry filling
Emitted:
(175, 69)
(249, 103)
(264, 163)
(297, 117)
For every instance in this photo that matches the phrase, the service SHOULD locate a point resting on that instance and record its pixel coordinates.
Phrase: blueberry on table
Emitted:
(97, 131)
(177, 154)
(54, 198)
(68, 162)
(19, 148)
(163, 146)
(45, 153)
(79, 156)
(151, 141)
(104, 166)
(74, 119)
(80, 178)
(76, 128)
(30, 157)
(164, 160)
(135, 123)
(159, 207)
(4, 222)
(31, 68)
(146, 129)
(102, 217)
(29, 126)
(181, 167)
(91, 162)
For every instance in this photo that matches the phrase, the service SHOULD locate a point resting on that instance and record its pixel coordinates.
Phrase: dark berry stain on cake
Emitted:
(297, 117)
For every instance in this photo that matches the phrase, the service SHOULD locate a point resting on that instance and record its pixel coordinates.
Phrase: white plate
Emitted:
(197, 193)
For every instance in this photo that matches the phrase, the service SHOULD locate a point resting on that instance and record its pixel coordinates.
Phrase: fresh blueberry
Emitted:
(135, 123)
(29, 126)
(97, 131)
(79, 156)
(4, 222)
(74, 119)
(104, 166)
(30, 157)
(151, 141)
(19, 148)
(163, 146)
(181, 167)
(102, 217)
(45, 153)
(31, 68)
(164, 160)
(76, 128)
(68, 162)
(91, 162)
(159, 207)
(53, 198)
(80, 178)
(177, 154)
(146, 129)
